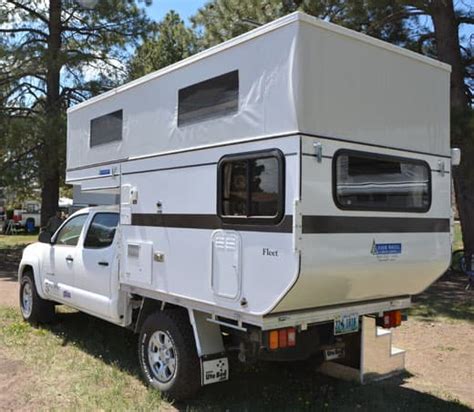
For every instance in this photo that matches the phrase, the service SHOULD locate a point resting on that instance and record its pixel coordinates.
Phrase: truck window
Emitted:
(208, 99)
(102, 230)
(368, 181)
(71, 231)
(251, 187)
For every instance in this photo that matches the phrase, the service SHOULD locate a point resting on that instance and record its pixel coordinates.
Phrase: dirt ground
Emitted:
(439, 340)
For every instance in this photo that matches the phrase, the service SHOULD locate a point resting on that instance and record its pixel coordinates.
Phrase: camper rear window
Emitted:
(106, 129)
(251, 187)
(208, 99)
(367, 181)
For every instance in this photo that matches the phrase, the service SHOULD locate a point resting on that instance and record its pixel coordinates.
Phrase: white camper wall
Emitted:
(183, 231)
(353, 87)
(150, 104)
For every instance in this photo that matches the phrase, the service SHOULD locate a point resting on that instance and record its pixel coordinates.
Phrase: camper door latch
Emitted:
(441, 167)
(159, 257)
(318, 149)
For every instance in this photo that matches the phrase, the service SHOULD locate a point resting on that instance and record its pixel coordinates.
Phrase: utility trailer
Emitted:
(274, 190)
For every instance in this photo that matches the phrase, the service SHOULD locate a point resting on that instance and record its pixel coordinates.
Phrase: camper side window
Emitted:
(251, 187)
(368, 181)
(106, 129)
(209, 99)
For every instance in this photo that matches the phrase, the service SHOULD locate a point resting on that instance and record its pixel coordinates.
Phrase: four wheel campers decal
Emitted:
(386, 251)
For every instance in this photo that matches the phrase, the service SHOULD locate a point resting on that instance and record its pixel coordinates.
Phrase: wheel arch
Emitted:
(33, 267)
(147, 307)
(207, 336)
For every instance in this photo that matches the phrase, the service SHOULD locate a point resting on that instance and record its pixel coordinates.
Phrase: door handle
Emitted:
(69, 259)
(104, 263)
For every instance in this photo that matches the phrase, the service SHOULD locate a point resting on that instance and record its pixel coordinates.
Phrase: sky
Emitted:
(185, 8)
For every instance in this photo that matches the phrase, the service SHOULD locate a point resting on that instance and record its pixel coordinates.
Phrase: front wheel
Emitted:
(167, 354)
(33, 308)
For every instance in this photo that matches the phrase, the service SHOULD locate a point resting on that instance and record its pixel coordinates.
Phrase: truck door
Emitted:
(59, 264)
(97, 264)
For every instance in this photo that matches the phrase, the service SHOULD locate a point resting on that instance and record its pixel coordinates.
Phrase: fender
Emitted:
(31, 258)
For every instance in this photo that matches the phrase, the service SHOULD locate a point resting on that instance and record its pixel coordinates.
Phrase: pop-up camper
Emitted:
(277, 187)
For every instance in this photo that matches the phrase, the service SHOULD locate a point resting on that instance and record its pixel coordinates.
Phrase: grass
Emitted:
(457, 240)
(15, 241)
(82, 363)
(68, 375)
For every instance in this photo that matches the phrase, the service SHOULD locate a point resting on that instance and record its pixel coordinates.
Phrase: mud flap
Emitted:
(214, 370)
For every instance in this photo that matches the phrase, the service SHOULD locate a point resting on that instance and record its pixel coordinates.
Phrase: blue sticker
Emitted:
(103, 172)
(67, 294)
(386, 248)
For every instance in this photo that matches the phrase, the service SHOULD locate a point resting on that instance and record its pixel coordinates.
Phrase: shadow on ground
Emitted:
(9, 260)
(264, 386)
(447, 297)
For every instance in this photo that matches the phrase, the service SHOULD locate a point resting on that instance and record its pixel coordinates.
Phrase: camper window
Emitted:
(251, 187)
(106, 129)
(211, 98)
(368, 181)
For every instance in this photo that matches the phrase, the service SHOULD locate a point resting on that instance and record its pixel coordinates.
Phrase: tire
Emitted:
(33, 308)
(456, 261)
(167, 354)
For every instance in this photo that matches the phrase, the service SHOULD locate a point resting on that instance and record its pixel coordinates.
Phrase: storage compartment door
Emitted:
(226, 267)
(138, 263)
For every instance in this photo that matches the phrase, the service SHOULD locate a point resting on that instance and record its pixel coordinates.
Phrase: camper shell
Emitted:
(288, 177)
(305, 89)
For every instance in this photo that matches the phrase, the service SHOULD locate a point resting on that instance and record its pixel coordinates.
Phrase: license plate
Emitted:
(346, 324)
(215, 370)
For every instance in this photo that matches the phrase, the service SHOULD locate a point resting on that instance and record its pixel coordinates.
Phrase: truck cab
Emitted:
(78, 265)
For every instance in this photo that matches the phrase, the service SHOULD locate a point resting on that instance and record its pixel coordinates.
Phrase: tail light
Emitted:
(17, 218)
(390, 319)
(282, 338)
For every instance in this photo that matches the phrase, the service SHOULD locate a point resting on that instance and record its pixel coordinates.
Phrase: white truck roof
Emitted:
(297, 74)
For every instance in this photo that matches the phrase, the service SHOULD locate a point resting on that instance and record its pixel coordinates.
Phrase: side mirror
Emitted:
(44, 237)
(455, 156)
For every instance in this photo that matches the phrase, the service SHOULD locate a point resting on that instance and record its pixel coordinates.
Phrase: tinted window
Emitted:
(107, 128)
(251, 186)
(375, 182)
(211, 98)
(102, 230)
(71, 231)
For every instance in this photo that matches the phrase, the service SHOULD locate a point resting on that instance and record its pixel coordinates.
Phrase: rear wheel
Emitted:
(33, 308)
(167, 354)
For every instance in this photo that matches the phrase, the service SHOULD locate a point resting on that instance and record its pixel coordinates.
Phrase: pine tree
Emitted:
(56, 53)
(171, 42)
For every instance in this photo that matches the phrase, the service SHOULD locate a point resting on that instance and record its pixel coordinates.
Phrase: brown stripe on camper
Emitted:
(193, 221)
(346, 224)
(311, 224)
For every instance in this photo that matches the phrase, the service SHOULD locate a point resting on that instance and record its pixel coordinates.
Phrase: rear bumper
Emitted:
(329, 313)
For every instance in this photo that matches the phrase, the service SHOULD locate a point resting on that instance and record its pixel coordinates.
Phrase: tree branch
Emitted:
(29, 10)
(24, 30)
(18, 158)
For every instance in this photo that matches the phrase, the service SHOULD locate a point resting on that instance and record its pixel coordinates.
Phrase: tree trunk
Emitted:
(50, 159)
(447, 41)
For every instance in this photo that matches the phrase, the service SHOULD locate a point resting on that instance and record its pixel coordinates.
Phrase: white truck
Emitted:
(274, 190)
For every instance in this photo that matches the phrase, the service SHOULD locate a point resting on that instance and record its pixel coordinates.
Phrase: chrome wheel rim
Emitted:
(27, 299)
(162, 356)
